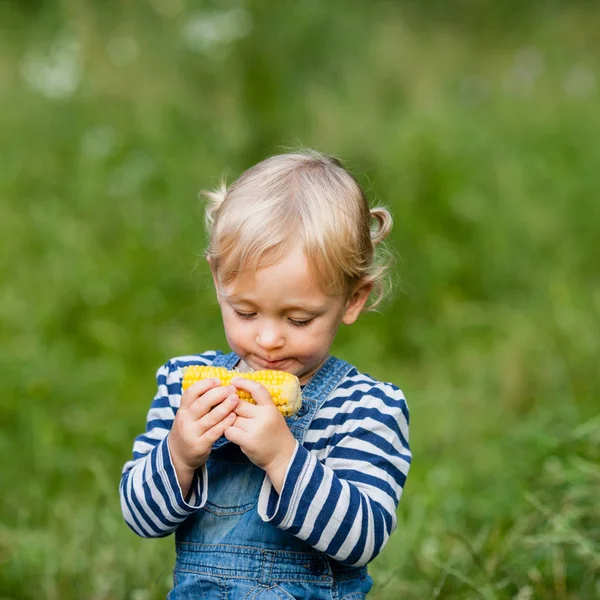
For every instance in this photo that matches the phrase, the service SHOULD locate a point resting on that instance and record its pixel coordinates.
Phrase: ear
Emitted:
(356, 302)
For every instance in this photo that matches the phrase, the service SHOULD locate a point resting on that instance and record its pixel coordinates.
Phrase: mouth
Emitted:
(270, 364)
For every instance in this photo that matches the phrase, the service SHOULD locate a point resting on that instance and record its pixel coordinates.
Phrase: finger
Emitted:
(243, 423)
(217, 415)
(197, 389)
(259, 392)
(235, 434)
(214, 433)
(205, 403)
(245, 409)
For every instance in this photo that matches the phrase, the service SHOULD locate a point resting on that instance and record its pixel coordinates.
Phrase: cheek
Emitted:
(232, 327)
(317, 340)
(239, 334)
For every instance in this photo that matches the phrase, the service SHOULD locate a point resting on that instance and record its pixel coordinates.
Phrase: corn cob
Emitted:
(283, 387)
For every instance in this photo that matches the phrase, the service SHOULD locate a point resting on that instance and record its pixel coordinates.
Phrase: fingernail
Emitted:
(216, 381)
(233, 399)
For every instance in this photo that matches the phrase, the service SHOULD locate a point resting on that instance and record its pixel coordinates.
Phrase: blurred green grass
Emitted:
(479, 129)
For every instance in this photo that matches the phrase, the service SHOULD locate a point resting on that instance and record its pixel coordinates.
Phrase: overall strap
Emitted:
(326, 379)
(316, 392)
(226, 360)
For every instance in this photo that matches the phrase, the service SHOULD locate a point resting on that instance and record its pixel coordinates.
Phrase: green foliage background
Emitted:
(477, 123)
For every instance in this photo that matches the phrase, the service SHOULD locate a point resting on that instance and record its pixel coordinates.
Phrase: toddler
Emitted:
(264, 506)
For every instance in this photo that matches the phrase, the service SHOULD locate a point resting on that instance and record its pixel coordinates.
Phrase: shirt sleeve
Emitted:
(343, 485)
(151, 499)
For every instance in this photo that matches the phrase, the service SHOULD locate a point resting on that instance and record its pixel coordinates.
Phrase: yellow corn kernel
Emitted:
(283, 387)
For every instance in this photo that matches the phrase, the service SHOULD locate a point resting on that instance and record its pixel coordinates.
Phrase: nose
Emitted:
(270, 337)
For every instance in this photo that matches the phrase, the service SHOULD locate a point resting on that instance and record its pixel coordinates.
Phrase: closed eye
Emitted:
(298, 323)
(243, 315)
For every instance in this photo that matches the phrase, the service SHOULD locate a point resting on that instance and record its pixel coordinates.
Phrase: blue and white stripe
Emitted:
(341, 489)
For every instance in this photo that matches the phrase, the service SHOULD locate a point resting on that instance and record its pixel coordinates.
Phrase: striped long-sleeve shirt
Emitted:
(342, 486)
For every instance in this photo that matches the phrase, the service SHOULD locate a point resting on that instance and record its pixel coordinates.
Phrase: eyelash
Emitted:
(242, 315)
(294, 322)
(300, 323)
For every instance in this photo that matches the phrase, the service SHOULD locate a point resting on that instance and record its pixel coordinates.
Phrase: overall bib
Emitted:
(226, 551)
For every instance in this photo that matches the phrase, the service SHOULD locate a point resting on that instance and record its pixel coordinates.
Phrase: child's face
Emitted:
(279, 318)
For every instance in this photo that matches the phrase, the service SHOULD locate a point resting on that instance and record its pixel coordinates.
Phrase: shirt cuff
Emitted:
(198, 489)
(278, 509)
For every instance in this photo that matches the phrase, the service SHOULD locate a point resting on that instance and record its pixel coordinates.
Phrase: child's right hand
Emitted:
(204, 413)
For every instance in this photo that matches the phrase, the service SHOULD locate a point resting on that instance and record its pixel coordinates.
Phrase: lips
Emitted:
(270, 364)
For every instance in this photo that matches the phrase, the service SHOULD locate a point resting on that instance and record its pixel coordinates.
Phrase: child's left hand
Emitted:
(261, 432)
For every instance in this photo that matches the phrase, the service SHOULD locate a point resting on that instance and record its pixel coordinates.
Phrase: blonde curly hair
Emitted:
(305, 196)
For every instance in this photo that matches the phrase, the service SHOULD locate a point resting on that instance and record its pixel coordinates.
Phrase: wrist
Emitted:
(278, 467)
(184, 473)
(178, 463)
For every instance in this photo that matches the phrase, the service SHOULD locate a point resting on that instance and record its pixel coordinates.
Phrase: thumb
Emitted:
(258, 391)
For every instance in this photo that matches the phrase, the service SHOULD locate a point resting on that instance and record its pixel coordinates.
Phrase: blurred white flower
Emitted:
(99, 142)
(430, 548)
(56, 74)
(528, 65)
(210, 31)
(525, 593)
(122, 50)
(580, 81)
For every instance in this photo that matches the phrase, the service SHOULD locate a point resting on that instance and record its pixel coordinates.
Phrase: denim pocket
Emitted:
(189, 586)
(356, 588)
(233, 482)
(263, 592)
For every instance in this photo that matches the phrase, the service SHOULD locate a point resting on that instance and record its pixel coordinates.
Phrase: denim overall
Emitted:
(226, 551)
